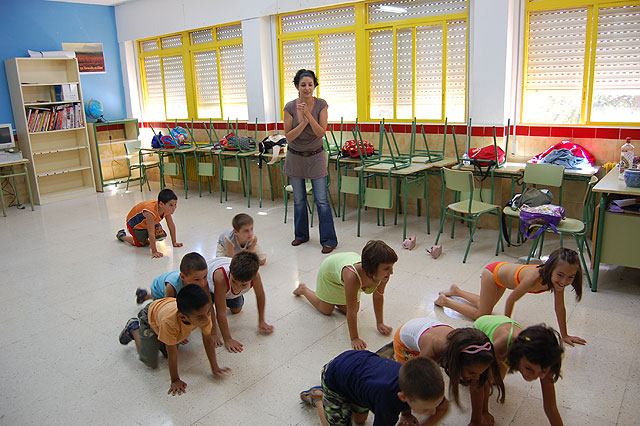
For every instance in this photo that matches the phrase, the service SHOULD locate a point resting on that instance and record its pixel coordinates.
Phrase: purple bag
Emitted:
(547, 215)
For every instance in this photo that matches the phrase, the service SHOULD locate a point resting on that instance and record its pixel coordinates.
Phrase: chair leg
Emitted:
(534, 245)
(579, 242)
(473, 231)
(442, 217)
(541, 244)
(286, 204)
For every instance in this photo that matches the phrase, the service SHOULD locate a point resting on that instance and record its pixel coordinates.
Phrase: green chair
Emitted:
(535, 174)
(469, 209)
(576, 227)
(139, 160)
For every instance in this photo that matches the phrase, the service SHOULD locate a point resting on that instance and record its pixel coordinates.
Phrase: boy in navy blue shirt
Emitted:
(356, 382)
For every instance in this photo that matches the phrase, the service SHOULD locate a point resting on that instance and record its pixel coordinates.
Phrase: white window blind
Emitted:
(555, 66)
(297, 54)
(381, 74)
(337, 74)
(616, 84)
(404, 66)
(174, 86)
(234, 94)
(229, 32)
(456, 71)
(429, 71)
(149, 45)
(201, 36)
(380, 11)
(154, 107)
(207, 90)
(169, 42)
(318, 20)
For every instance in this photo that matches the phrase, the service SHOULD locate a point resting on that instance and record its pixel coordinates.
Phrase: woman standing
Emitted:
(305, 123)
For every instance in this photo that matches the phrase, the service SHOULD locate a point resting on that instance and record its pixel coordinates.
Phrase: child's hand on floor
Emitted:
(156, 254)
(233, 345)
(409, 420)
(221, 371)
(384, 329)
(217, 341)
(358, 344)
(177, 244)
(177, 387)
(573, 340)
(265, 328)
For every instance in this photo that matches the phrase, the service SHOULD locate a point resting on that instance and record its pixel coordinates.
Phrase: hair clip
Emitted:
(528, 339)
(474, 349)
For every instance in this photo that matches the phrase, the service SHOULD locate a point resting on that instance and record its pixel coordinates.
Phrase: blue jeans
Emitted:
(300, 214)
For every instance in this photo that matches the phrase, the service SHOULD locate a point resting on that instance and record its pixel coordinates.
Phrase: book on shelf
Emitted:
(57, 117)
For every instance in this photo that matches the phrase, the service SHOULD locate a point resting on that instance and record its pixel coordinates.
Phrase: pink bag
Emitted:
(575, 149)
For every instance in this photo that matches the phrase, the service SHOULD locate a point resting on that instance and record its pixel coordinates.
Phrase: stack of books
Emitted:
(57, 117)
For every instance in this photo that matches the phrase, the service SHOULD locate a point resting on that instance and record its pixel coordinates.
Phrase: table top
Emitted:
(612, 185)
(514, 168)
(15, 163)
(385, 167)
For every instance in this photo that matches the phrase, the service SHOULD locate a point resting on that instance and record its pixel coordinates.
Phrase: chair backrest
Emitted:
(589, 203)
(543, 174)
(132, 147)
(458, 180)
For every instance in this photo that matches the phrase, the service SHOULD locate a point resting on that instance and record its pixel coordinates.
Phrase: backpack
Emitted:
(532, 197)
(486, 157)
(547, 215)
(156, 142)
(273, 143)
(353, 149)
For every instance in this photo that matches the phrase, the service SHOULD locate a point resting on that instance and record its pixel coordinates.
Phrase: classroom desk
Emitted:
(182, 153)
(265, 160)
(13, 175)
(414, 173)
(511, 168)
(617, 233)
(243, 158)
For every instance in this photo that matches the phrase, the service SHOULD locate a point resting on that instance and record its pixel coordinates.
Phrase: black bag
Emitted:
(531, 197)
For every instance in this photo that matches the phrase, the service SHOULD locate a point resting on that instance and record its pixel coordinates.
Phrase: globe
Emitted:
(94, 110)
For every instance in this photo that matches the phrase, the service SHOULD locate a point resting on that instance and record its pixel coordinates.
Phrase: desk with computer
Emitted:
(11, 157)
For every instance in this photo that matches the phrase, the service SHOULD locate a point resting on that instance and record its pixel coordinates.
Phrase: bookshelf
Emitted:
(108, 152)
(50, 123)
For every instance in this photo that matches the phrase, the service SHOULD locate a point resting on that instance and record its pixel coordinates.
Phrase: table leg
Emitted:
(4, 213)
(247, 163)
(598, 248)
(260, 183)
(405, 206)
(26, 177)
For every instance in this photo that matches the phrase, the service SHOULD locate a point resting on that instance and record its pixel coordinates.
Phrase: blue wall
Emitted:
(44, 25)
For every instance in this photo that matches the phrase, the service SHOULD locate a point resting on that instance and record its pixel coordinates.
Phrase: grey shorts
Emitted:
(235, 303)
(149, 343)
(141, 236)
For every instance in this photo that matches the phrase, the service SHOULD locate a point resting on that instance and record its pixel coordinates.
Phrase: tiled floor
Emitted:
(68, 288)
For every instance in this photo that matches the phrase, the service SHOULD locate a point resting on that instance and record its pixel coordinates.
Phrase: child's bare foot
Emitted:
(299, 291)
(441, 300)
(454, 290)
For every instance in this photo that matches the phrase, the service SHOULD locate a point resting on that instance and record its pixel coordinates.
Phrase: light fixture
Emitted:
(391, 9)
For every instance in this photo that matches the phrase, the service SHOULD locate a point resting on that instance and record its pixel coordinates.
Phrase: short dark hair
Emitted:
(244, 266)
(454, 359)
(541, 345)
(305, 73)
(192, 262)
(241, 220)
(566, 255)
(374, 253)
(420, 378)
(190, 298)
(166, 195)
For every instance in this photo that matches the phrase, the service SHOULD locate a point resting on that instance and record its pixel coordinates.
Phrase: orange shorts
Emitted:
(401, 353)
(493, 268)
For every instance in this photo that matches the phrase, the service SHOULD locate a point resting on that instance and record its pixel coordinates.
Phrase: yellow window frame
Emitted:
(362, 28)
(591, 36)
(186, 51)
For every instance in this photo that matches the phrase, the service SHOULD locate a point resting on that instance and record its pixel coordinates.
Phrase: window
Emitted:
(417, 70)
(414, 54)
(323, 41)
(197, 74)
(582, 65)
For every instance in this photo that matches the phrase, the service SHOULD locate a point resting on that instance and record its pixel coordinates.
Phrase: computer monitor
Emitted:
(6, 137)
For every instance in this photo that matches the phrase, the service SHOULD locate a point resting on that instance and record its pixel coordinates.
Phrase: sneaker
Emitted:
(141, 295)
(120, 235)
(125, 335)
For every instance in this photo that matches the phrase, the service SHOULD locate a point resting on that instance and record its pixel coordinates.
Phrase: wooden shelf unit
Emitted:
(108, 151)
(60, 159)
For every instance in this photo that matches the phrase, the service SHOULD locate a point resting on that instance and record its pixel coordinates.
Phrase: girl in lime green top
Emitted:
(535, 352)
(344, 276)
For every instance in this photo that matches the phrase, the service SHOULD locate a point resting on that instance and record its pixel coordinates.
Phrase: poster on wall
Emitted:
(90, 56)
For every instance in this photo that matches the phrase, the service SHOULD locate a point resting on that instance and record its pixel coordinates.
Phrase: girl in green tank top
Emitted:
(342, 277)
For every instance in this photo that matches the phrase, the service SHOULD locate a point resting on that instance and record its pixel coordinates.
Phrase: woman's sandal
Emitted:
(312, 395)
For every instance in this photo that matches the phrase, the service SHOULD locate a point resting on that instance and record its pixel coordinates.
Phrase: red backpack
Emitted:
(487, 153)
(353, 149)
